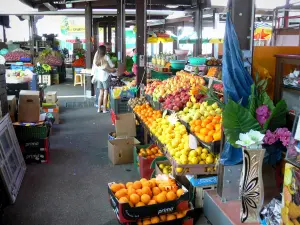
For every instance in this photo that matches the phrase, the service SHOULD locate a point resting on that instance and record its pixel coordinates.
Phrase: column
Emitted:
(105, 34)
(198, 30)
(141, 41)
(89, 44)
(31, 35)
(242, 18)
(121, 48)
(109, 32)
(96, 35)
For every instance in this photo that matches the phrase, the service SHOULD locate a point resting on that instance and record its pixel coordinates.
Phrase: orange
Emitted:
(121, 193)
(134, 198)
(155, 220)
(180, 215)
(128, 184)
(123, 200)
(163, 218)
(137, 185)
(197, 129)
(122, 185)
(161, 187)
(210, 118)
(160, 198)
(192, 128)
(164, 193)
(179, 192)
(146, 222)
(210, 126)
(153, 184)
(131, 204)
(152, 202)
(204, 131)
(115, 187)
(131, 191)
(156, 190)
(217, 136)
(146, 190)
(139, 222)
(171, 196)
(198, 122)
(146, 184)
(208, 139)
(171, 217)
(218, 127)
(139, 192)
(211, 133)
(154, 198)
(139, 204)
(201, 137)
(145, 199)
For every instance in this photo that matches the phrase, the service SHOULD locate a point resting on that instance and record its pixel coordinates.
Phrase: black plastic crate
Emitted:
(14, 89)
(119, 105)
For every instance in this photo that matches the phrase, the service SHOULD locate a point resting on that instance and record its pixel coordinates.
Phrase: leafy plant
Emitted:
(238, 119)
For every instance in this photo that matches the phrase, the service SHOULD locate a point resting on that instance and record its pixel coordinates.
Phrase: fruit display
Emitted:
(151, 153)
(208, 129)
(199, 155)
(218, 87)
(165, 169)
(177, 100)
(174, 84)
(80, 62)
(212, 72)
(151, 86)
(213, 62)
(147, 192)
(133, 102)
(163, 218)
(147, 114)
(116, 83)
(16, 56)
(197, 111)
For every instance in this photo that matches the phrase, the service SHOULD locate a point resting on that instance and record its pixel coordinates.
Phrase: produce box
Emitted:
(54, 110)
(193, 169)
(26, 133)
(51, 97)
(12, 106)
(36, 151)
(199, 198)
(157, 169)
(125, 213)
(136, 157)
(29, 106)
(186, 220)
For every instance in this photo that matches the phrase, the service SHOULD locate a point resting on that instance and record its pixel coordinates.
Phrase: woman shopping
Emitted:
(102, 67)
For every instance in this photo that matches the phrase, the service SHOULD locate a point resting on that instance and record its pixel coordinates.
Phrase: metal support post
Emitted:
(89, 44)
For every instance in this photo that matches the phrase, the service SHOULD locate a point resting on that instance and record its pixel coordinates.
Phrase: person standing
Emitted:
(102, 66)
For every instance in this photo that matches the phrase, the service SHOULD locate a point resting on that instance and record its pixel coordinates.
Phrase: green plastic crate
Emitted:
(25, 133)
(159, 75)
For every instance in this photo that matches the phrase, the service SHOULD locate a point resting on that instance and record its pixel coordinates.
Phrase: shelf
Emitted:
(291, 87)
(293, 162)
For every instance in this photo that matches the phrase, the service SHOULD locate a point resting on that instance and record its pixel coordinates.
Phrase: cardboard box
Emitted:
(157, 169)
(12, 106)
(51, 97)
(29, 106)
(120, 150)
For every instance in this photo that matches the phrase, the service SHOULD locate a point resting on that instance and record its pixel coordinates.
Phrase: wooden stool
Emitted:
(78, 79)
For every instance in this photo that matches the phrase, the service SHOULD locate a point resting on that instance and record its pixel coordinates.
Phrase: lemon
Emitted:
(201, 162)
(204, 150)
(203, 155)
(194, 160)
(179, 170)
(161, 166)
(209, 160)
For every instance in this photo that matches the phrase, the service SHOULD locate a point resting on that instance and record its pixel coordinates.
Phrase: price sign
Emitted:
(210, 82)
(193, 141)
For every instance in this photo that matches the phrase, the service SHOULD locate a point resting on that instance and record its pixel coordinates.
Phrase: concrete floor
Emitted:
(72, 188)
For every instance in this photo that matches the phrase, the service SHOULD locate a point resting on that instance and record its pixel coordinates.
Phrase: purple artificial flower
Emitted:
(284, 135)
(262, 114)
(270, 138)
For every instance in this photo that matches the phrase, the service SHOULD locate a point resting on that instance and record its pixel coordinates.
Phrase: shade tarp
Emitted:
(237, 83)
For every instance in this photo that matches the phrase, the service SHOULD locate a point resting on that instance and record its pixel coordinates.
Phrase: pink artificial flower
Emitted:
(262, 114)
(269, 138)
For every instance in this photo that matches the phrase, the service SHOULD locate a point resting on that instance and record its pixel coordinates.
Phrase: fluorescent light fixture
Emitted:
(172, 6)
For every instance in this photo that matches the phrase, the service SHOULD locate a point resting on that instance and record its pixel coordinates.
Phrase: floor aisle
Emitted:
(72, 188)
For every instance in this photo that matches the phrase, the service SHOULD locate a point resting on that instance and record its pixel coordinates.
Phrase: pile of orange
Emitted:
(162, 218)
(147, 113)
(151, 153)
(146, 192)
(207, 130)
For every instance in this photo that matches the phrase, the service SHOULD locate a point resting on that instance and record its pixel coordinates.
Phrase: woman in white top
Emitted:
(102, 66)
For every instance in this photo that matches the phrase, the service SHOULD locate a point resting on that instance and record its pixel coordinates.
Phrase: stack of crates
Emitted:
(118, 105)
(3, 93)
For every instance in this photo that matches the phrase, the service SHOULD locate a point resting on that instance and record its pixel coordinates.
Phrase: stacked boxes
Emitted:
(51, 105)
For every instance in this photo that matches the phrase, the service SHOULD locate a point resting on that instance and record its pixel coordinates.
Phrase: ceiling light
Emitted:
(172, 6)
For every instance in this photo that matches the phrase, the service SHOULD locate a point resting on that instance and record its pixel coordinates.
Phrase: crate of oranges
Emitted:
(208, 132)
(177, 218)
(147, 114)
(146, 155)
(147, 198)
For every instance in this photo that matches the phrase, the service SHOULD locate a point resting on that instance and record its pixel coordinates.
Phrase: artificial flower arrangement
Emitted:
(242, 125)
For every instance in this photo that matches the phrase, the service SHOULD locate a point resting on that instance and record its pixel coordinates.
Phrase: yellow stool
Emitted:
(78, 80)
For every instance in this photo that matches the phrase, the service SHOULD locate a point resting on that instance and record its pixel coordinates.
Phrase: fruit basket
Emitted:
(169, 198)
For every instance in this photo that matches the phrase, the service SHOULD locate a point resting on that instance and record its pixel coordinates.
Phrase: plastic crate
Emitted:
(22, 59)
(4, 103)
(25, 133)
(16, 67)
(33, 84)
(159, 75)
(45, 79)
(31, 68)
(119, 105)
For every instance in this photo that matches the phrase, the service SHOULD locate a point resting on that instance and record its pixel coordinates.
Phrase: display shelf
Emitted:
(293, 162)
(291, 87)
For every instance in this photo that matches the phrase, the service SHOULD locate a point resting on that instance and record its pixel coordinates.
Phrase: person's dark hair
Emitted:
(100, 55)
